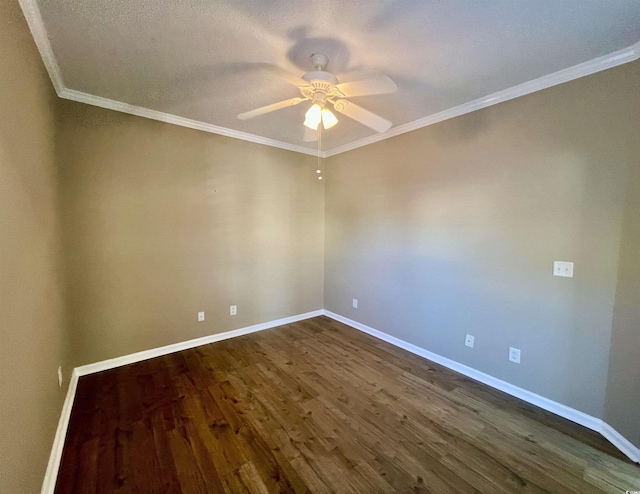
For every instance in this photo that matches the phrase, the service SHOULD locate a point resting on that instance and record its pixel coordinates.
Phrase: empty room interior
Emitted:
(319, 246)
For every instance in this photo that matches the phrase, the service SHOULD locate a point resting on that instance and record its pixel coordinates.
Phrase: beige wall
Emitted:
(32, 339)
(622, 410)
(448, 230)
(162, 222)
(453, 229)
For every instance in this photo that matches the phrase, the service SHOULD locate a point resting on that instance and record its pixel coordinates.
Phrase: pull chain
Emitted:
(319, 171)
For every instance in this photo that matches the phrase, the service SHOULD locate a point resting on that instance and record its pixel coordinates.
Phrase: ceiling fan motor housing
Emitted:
(320, 76)
(321, 85)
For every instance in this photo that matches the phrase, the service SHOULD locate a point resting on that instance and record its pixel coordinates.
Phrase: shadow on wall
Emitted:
(165, 222)
(459, 236)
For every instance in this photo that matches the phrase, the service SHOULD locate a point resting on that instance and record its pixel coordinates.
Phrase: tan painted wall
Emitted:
(32, 339)
(447, 230)
(453, 229)
(162, 222)
(622, 410)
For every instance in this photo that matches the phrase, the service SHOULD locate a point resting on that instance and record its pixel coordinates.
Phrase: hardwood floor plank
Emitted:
(146, 469)
(318, 407)
(186, 465)
(164, 454)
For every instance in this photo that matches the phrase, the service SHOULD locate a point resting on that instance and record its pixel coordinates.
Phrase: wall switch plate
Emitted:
(200, 316)
(60, 376)
(468, 340)
(514, 355)
(233, 310)
(563, 268)
(355, 303)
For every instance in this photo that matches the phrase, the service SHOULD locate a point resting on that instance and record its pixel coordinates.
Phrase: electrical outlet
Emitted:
(200, 316)
(355, 303)
(563, 268)
(468, 340)
(233, 310)
(60, 376)
(514, 355)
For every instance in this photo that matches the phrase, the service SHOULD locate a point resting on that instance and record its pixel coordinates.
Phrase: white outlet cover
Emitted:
(200, 316)
(563, 268)
(60, 376)
(514, 355)
(233, 310)
(355, 303)
(468, 340)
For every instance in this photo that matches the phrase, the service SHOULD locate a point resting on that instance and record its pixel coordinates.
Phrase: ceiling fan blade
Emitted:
(359, 114)
(310, 135)
(269, 108)
(376, 85)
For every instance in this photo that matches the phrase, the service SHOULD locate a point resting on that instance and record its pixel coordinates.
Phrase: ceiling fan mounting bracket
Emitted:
(319, 61)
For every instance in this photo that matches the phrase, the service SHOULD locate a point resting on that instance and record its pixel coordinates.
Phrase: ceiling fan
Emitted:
(322, 88)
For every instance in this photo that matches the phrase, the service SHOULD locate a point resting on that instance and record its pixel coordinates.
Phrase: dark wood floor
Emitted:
(316, 406)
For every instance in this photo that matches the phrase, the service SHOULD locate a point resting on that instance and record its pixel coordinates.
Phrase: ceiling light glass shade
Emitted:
(328, 118)
(313, 116)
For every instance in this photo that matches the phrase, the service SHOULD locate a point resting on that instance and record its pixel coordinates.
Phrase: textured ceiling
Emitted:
(210, 60)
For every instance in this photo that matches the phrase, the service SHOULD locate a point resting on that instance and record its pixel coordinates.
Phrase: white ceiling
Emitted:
(201, 62)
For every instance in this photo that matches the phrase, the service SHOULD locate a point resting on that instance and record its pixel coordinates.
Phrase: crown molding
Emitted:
(39, 33)
(599, 64)
(36, 25)
(140, 111)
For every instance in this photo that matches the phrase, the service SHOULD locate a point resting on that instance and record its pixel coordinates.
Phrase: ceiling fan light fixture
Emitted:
(328, 118)
(312, 125)
(313, 116)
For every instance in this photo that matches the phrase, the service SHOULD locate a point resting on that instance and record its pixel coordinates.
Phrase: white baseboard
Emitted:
(48, 486)
(564, 411)
(185, 345)
(51, 475)
(620, 442)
